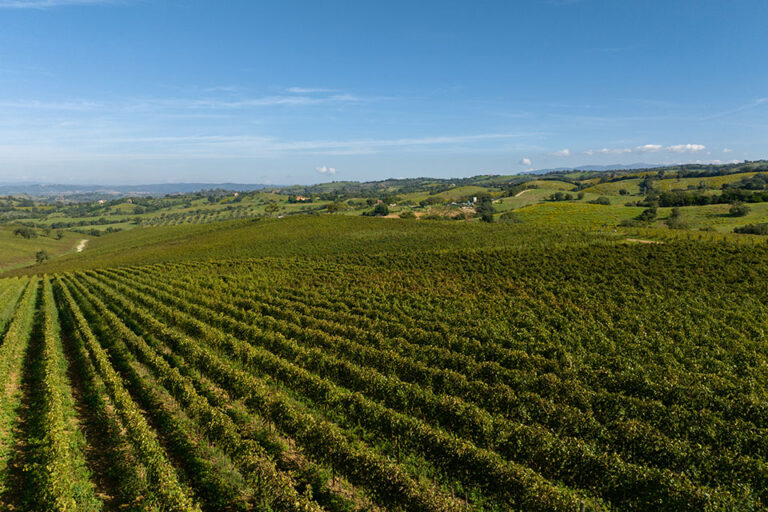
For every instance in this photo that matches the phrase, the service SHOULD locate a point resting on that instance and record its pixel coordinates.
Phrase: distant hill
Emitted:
(47, 190)
(598, 168)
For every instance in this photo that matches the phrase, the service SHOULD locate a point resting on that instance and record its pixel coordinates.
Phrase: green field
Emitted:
(16, 251)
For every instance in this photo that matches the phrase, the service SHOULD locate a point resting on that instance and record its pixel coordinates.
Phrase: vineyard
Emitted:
(597, 376)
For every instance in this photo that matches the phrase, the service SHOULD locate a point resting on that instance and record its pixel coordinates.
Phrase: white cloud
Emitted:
(324, 169)
(648, 148)
(526, 161)
(727, 150)
(562, 152)
(686, 148)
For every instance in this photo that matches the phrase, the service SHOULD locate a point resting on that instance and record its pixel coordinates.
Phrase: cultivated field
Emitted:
(533, 375)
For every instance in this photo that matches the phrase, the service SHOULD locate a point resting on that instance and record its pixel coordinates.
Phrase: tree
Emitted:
(753, 229)
(675, 220)
(738, 209)
(648, 215)
(41, 256)
(25, 232)
(485, 208)
(646, 186)
(333, 207)
(59, 234)
(381, 210)
(271, 208)
(407, 214)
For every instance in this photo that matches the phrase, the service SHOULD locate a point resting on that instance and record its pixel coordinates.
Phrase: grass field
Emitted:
(16, 251)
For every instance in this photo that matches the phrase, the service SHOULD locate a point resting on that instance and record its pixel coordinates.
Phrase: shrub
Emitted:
(753, 229)
(41, 256)
(738, 209)
(510, 217)
(25, 232)
(648, 215)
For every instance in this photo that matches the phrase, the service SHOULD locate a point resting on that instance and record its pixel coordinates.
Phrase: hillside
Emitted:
(299, 236)
(388, 364)
(681, 201)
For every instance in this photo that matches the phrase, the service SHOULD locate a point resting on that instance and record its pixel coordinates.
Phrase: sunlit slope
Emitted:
(16, 251)
(300, 236)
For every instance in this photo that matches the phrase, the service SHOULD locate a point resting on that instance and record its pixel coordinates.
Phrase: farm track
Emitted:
(285, 385)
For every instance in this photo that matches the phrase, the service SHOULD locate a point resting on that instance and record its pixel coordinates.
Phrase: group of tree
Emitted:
(484, 208)
(753, 229)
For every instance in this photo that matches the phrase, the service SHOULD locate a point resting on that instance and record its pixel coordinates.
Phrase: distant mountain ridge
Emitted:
(45, 189)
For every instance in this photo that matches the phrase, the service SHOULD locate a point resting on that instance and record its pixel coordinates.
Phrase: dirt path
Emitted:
(81, 245)
(523, 192)
(641, 241)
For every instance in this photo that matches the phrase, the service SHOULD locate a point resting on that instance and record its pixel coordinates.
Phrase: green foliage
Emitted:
(560, 196)
(675, 220)
(380, 210)
(25, 232)
(484, 208)
(342, 363)
(753, 229)
(648, 215)
(738, 209)
(334, 207)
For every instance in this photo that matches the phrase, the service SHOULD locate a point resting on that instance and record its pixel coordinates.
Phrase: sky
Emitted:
(284, 92)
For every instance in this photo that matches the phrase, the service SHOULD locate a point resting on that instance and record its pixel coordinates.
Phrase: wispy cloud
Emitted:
(747, 106)
(562, 152)
(71, 144)
(205, 103)
(309, 90)
(606, 151)
(526, 162)
(51, 105)
(46, 4)
(351, 146)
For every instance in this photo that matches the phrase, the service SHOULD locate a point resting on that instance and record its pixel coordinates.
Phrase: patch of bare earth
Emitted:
(641, 241)
(523, 192)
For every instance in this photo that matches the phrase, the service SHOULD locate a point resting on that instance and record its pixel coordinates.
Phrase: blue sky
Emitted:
(129, 91)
